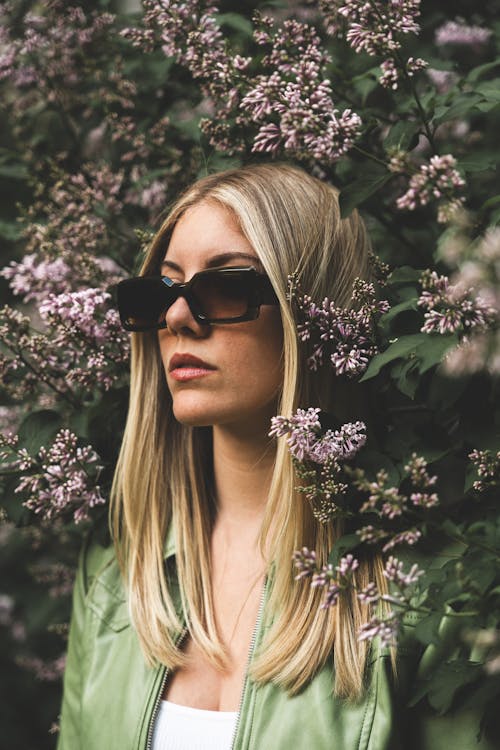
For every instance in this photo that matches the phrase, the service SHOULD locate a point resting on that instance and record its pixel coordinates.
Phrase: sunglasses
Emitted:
(218, 295)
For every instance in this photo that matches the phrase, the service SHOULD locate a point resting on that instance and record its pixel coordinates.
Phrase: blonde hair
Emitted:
(292, 221)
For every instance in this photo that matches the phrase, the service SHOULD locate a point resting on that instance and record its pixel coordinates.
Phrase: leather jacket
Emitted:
(111, 696)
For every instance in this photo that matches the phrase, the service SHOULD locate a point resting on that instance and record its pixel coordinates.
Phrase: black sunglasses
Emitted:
(218, 295)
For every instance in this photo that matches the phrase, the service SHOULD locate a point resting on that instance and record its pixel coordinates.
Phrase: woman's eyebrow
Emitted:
(217, 260)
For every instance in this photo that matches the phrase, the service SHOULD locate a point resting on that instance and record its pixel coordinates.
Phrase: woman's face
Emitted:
(241, 372)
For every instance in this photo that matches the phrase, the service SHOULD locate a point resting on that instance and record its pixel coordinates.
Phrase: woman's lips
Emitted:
(183, 367)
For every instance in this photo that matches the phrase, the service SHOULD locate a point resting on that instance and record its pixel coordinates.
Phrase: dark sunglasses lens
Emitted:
(222, 295)
(142, 302)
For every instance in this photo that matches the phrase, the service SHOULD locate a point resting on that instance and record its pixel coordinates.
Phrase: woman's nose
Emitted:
(180, 319)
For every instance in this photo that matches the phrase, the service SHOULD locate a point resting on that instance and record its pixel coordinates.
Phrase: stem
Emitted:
(369, 155)
(73, 402)
(421, 111)
(409, 80)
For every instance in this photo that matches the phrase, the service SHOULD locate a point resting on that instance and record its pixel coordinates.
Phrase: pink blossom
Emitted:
(449, 308)
(436, 180)
(61, 479)
(459, 32)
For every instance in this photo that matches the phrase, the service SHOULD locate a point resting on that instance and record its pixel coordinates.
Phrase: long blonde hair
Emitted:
(292, 221)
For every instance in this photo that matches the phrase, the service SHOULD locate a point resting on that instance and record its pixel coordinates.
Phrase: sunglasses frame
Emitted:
(261, 293)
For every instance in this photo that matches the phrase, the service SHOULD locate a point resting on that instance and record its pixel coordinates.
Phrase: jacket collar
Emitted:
(169, 545)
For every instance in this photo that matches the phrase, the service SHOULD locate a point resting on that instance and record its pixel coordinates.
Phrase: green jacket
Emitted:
(111, 696)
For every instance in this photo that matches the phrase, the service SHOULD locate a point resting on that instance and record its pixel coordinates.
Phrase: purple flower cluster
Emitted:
(293, 104)
(452, 308)
(386, 629)
(83, 347)
(345, 336)
(46, 671)
(47, 58)
(319, 457)
(290, 105)
(373, 27)
(487, 465)
(66, 231)
(478, 273)
(306, 443)
(437, 180)
(57, 577)
(459, 32)
(391, 504)
(305, 563)
(334, 580)
(60, 480)
(416, 469)
(388, 501)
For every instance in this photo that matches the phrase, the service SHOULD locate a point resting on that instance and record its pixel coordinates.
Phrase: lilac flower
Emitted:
(416, 468)
(409, 537)
(387, 501)
(387, 629)
(31, 275)
(58, 577)
(459, 32)
(369, 594)
(436, 180)
(487, 465)
(450, 308)
(46, 56)
(373, 27)
(335, 580)
(345, 336)
(293, 105)
(303, 428)
(59, 480)
(443, 80)
(307, 444)
(394, 572)
(46, 671)
(305, 562)
(290, 105)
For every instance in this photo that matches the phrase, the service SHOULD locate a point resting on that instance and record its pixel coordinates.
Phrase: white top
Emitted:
(185, 728)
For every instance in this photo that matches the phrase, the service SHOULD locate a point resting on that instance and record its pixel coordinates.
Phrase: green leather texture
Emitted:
(110, 693)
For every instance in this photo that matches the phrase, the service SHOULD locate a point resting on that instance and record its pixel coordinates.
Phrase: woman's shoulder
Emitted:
(100, 580)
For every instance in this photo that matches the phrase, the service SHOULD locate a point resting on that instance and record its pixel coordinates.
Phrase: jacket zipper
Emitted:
(250, 654)
(166, 672)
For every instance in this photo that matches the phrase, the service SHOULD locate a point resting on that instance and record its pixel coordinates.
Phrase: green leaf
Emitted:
(39, 428)
(14, 171)
(344, 544)
(357, 192)
(427, 629)
(462, 105)
(236, 22)
(478, 162)
(402, 135)
(448, 679)
(476, 73)
(9, 230)
(406, 377)
(402, 347)
(409, 304)
(404, 275)
(432, 351)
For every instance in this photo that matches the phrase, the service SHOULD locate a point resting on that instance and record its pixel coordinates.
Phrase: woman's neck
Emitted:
(243, 467)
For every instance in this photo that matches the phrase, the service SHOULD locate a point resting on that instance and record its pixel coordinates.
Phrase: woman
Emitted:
(204, 639)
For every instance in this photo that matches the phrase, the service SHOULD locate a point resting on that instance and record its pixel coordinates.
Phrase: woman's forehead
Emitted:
(208, 235)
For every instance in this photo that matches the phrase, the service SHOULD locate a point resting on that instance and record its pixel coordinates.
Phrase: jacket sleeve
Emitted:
(92, 558)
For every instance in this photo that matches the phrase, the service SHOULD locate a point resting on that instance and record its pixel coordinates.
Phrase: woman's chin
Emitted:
(194, 414)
